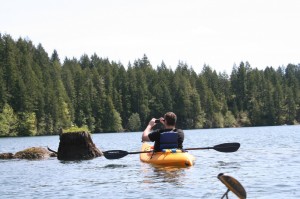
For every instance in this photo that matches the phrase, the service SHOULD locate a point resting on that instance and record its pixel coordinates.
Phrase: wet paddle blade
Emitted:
(114, 154)
(227, 147)
(233, 185)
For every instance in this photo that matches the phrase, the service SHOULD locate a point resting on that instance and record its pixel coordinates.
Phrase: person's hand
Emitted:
(147, 130)
(152, 122)
(162, 120)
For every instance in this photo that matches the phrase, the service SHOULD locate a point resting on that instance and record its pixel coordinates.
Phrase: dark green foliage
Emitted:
(27, 124)
(39, 94)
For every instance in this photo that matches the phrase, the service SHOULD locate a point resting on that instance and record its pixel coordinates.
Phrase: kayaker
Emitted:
(166, 138)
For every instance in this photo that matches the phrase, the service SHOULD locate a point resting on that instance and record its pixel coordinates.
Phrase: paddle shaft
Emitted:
(137, 152)
(203, 148)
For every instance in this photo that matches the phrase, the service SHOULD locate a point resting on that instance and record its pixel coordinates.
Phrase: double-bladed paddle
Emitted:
(226, 148)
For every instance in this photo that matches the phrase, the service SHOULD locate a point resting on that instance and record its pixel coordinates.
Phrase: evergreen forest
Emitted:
(39, 93)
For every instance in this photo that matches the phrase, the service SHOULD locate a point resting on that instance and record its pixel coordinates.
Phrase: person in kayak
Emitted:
(166, 138)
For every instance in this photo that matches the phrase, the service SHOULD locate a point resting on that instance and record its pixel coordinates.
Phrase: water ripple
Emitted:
(267, 165)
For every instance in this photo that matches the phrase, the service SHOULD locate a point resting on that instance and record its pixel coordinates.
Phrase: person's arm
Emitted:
(148, 130)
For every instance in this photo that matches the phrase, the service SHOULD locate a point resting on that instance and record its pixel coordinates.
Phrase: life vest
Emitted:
(168, 140)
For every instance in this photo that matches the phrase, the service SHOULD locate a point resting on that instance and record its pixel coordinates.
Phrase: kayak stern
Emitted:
(170, 157)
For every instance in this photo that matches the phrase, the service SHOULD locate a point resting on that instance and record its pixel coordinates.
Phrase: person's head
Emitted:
(170, 118)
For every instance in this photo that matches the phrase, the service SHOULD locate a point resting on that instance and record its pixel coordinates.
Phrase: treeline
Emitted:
(40, 94)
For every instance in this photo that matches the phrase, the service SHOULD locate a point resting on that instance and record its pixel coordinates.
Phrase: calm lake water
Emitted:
(267, 165)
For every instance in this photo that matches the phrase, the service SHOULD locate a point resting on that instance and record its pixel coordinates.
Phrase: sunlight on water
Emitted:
(267, 165)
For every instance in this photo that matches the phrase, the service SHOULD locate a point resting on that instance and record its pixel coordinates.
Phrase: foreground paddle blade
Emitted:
(233, 185)
(114, 154)
(227, 147)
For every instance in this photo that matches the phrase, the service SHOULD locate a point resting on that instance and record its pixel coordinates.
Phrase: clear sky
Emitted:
(218, 33)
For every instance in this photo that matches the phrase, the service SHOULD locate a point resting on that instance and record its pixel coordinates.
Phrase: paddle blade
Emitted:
(114, 154)
(227, 147)
(233, 185)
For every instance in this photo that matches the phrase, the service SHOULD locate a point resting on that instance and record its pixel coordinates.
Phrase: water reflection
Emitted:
(165, 174)
(114, 166)
(232, 165)
(71, 161)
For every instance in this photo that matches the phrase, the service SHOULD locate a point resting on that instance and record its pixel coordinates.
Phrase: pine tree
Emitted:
(8, 121)
(291, 106)
(134, 122)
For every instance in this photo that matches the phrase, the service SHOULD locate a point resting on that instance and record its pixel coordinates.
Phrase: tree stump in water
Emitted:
(77, 146)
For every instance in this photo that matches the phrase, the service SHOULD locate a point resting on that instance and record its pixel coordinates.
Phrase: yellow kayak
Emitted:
(168, 158)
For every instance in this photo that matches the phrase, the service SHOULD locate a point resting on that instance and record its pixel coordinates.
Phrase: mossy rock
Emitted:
(34, 153)
(6, 155)
(74, 129)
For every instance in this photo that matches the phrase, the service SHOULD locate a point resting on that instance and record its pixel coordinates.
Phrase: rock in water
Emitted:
(77, 146)
(33, 153)
(6, 155)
